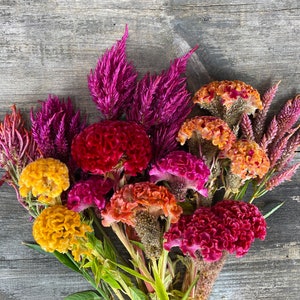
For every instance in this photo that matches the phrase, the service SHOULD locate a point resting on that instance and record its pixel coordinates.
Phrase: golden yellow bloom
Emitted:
(227, 93)
(60, 229)
(248, 159)
(45, 178)
(209, 128)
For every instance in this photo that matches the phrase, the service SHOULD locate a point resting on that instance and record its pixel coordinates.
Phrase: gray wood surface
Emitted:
(50, 46)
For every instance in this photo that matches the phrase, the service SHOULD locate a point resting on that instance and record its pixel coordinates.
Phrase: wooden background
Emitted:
(50, 46)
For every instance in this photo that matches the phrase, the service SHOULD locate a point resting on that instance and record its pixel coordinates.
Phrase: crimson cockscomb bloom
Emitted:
(229, 226)
(112, 145)
(54, 127)
(113, 81)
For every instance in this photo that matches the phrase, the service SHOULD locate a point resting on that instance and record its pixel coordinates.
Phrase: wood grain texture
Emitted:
(50, 46)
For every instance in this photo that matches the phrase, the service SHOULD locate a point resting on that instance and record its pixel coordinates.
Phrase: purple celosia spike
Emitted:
(270, 134)
(260, 117)
(282, 176)
(246, 127)
(113, 81)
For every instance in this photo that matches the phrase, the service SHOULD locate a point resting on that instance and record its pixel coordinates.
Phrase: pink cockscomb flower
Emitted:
(229, 226)
(182, 171)
(89, 193)
(209, 128)
(112, 145)
(248, 159)
(132, 199)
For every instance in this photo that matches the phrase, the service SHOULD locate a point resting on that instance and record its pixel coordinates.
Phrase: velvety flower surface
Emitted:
(143, 196)
(112, 144)
(54, 127)
(209, 128)
(227, 93)
(45, 178)
(60, 229)
(89, 193)
(227, 226)
(182, 171)
(248, 159)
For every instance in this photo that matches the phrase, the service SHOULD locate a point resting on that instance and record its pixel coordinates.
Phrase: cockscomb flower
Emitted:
(111, 145)
(209, 128)
(60, 229)
(248, 159)
(182, 171)
(54, 127)
(229, 226)
(89, 193)
(17, 147)
(46, 179)
(113, 81)
(143, 196)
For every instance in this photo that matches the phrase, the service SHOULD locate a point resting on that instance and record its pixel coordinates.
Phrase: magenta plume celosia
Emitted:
(113, 81)
(229, 226)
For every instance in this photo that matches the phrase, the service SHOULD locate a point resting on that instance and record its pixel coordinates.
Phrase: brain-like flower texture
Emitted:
(229, 226)
(248, 159)
(209, 128)
(89, 193)
(45, 178)
(60, 229)
(227, 93)
(112, 144)
(142, 196)
(183, 171)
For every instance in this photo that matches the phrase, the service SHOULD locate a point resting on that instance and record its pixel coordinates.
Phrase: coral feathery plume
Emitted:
(60, 229)
(46, 179)
(112, 145)
(209, 128)
(54, 127)
(113, 81)
(143, 196)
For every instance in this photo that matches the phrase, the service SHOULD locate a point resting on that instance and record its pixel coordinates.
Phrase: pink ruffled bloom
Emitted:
(227, 226)
(89, 193)
(182, 171)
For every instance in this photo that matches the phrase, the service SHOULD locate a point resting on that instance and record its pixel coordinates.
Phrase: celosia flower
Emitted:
(46, 179)
(143, 196)
(113, 81)
(182, 171)
(209, 128)
(60, 229)
(227, 93)
(248, 159)
(54, 127)
(89, 193)
(112, 144)
(227, 226)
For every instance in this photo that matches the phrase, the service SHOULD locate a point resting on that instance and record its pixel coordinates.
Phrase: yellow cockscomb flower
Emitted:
(59, 229)
(209, 128)
(248, 159)
(46, 179)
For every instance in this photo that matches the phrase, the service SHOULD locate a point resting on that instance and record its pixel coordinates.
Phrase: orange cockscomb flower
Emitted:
(209, 128)
(143, 196)
(59, 229)
(227, 93)
(248, 159)
(46, 179)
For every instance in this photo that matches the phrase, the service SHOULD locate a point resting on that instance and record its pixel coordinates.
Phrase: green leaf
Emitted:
(159, 285)
(273, 210)
(137, 294)
(35, 247)
(85, 295)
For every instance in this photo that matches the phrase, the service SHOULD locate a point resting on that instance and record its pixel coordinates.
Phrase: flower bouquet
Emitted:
(172, 178)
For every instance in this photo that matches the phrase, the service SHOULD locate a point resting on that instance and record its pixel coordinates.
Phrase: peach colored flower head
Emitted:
(142, 196)
(45, 178)
(209, 128)
(248, 159)
(227, 93)
(60, 229)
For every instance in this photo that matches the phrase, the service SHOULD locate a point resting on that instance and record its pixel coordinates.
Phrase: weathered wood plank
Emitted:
(50, 46)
